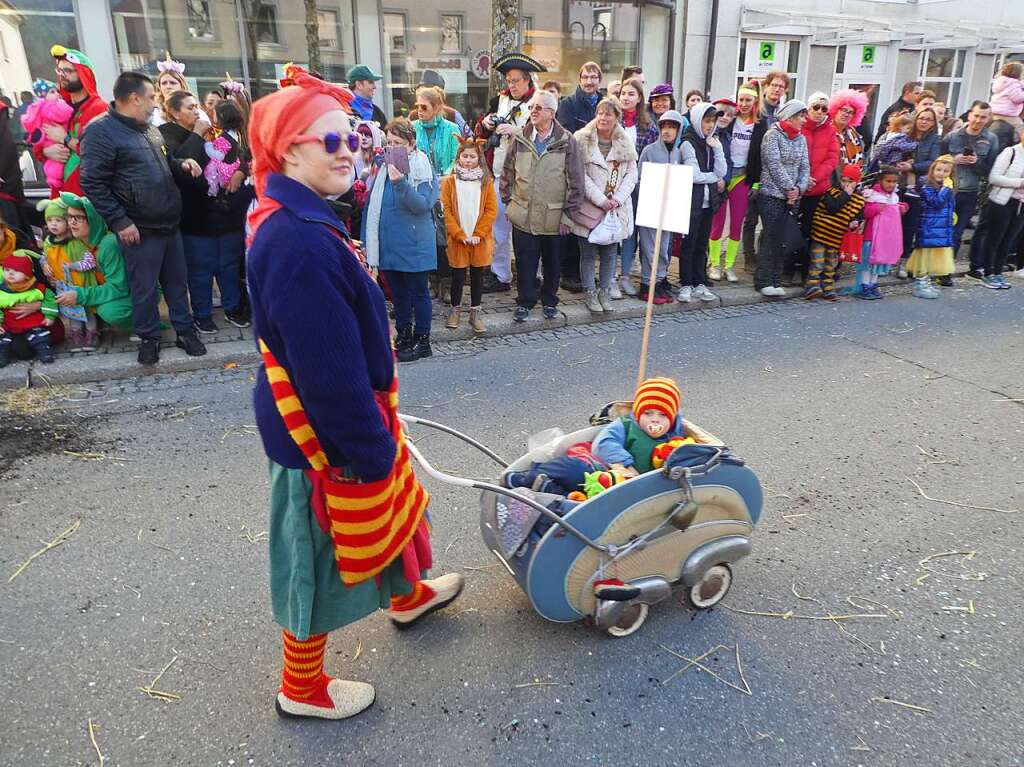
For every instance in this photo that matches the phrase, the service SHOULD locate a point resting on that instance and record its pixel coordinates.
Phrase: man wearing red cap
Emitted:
(77, 84)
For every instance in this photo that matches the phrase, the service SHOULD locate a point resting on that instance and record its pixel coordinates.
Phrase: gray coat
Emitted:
(785, 164)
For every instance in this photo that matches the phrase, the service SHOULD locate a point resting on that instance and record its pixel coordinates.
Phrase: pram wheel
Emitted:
(632, 619)
(711, 589)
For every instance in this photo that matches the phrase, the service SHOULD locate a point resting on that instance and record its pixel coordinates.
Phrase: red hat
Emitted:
(661, 394)
(724, 102)
(19, 263)
(852, 172)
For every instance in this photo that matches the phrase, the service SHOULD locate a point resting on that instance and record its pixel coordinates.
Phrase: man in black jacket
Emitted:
(907, 101)
(128, 176)
(580, 108)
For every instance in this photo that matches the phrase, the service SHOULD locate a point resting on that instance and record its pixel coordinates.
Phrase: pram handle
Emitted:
(451, 479)
(457, 434)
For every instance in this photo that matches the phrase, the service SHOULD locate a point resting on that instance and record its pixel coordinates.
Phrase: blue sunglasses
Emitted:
(332, 141)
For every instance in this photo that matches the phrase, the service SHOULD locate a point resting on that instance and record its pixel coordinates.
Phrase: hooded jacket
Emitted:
(1007, 96)
(616, 173)
(823, 153)
(127, 174)
(85, 113)
(112, 300)
(709, 165)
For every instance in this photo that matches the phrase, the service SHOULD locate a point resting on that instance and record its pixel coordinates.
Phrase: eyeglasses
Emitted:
(846, 111)
(819, 108)
(65, 70)
(537, 107)
(515, 81)
(77, 217)
(331, 141)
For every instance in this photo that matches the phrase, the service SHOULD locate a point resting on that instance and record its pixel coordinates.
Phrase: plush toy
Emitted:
(218, 173)
(596, 482)
(661, 453)
(49, 109)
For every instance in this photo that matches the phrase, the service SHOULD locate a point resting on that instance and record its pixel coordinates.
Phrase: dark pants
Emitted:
(769, 260)
(210, 257)
(533, 250)
(564, 474)
(966, 204)
(977, 255)
(693, 253)
(1004, 225)
(749, 229)
(798, 260)
(569, 257)
(410, 294)
(25, 345)
(157, 260)
(911, 219)
(476, 285)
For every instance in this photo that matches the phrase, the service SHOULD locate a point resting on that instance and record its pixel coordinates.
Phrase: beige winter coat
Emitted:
(599, 170)
(538, 189)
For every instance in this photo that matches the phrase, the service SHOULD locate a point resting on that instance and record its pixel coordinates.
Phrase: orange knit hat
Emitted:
(278, 119)
(661, 394)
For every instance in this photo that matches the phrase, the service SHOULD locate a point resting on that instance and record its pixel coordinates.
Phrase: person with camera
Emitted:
(506, 114)
(974, 150)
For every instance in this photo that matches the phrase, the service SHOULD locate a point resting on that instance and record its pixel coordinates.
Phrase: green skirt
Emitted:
(306, 591)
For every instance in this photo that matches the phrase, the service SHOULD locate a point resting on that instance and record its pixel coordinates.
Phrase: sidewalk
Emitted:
(116, 357)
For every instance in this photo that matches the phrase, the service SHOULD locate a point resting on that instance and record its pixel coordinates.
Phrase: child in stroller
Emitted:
(627, 447)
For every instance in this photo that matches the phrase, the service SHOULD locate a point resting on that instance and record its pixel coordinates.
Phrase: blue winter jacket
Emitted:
(407, 239)
(935, 229)
(609, 443)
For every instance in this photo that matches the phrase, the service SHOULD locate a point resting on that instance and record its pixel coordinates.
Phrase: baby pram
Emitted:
(608, 559)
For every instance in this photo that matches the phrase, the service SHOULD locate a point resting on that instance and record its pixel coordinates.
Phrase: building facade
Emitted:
(954, 46)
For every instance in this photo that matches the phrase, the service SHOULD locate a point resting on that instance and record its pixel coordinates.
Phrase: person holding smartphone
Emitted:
(398, 235)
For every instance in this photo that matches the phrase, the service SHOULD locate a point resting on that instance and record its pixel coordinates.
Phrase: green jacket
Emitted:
(112, 299)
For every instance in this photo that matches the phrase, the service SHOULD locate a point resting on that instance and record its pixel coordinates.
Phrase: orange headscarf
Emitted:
(277, 120)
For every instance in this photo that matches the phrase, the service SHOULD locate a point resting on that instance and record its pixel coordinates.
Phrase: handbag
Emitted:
(608, 231)
(440, 233)
(851, 246)
(588, 215)
(792, 238)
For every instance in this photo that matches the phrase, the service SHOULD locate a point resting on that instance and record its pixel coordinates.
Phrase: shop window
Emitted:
(526, 33)
(394, 32)
(327, 26)
(840, 59)
(266, 23)
(200, 22)
(940, 63)
(942, 71)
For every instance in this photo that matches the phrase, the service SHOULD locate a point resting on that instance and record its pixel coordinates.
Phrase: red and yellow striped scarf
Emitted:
(370, 522)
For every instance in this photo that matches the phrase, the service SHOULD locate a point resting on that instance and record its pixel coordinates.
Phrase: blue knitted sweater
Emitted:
(324, 319)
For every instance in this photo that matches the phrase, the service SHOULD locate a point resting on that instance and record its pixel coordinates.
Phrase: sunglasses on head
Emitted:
(332, 141)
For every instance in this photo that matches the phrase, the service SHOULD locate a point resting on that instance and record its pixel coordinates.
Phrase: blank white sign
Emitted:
(674, 201)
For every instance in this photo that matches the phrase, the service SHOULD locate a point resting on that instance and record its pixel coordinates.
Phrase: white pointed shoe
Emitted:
(714, 274)
(349, 698)
(730, 275)
(446, 589)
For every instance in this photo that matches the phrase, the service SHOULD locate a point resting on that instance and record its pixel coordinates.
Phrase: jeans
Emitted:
(693, 255)
(966, 204)
(769, 260)
(157, 259)
(1004, 226)
(533, 250)
(209, 257)
(976, 255)
(628, 245)
(410, 294)
(647, 237)
(593, 255)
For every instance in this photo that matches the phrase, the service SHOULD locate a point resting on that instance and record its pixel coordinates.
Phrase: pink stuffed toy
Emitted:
(50, 110)
(218, 173)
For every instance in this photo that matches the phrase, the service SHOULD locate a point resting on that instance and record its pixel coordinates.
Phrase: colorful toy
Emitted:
(50, 109)
(218, 173)
(661, 453)
(596, 482)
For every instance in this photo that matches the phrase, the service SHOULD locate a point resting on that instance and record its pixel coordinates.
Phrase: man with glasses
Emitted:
(506, 114)
(129, 178)
(76, 82)
(542, 186)
(577, 110)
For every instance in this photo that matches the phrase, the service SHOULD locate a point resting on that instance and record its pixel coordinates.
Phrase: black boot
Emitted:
(39, 340)
(5, 356)
(420, 348)
(403, 338)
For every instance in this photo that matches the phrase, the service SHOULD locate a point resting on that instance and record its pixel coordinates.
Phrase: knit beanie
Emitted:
(661, 394)
(852, 172)
(19, 261)
(790, 108)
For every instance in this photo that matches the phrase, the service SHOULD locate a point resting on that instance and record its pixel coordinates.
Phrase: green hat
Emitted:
(52, 208)
(362, 72)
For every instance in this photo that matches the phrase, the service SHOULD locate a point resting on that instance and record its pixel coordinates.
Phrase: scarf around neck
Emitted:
(363, 107)
(468, 174)
(788, 129)
(629, 118)
(22, 285)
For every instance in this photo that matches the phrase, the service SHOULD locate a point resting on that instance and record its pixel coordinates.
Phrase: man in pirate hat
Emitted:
(506, 114)
(76, 82)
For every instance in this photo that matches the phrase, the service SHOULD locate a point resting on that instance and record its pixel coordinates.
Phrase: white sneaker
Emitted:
(779, 292)
(731, 276)
(614, 291)
(714, 274)
(685, 294)
(767, 291)
(703, 293)
(626, 286)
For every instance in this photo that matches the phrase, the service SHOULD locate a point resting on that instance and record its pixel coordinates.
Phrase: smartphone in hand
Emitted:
(399, 157)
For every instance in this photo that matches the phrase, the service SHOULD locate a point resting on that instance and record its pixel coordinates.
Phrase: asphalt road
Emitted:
(835, 407)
